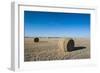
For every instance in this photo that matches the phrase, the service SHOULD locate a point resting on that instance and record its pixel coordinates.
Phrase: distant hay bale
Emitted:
(36, 39)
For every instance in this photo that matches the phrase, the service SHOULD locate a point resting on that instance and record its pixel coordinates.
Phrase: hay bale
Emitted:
(36, 39)
(70, 45)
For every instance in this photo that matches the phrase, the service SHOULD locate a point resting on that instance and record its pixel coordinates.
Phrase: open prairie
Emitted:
(54, 49)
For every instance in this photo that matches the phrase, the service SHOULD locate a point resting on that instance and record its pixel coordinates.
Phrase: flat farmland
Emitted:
(54, 49)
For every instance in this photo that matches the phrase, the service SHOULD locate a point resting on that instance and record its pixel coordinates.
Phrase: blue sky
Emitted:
(54, 24)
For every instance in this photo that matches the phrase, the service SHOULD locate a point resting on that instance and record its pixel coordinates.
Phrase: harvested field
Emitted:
(54, 49)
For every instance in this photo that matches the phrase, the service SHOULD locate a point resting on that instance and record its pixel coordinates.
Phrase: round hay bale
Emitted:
(36, 39)
(70, 45)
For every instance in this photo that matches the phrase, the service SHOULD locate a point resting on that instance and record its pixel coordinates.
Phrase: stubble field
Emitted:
(54, 49)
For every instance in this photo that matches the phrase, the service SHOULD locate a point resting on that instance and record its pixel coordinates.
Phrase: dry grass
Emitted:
(54, 49)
